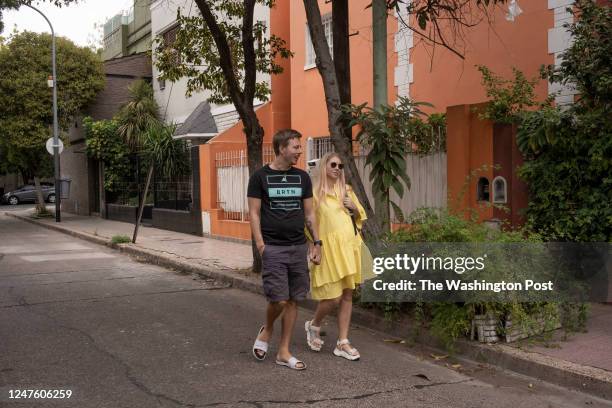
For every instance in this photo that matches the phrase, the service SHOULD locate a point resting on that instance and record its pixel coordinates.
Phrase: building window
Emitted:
(482, 190)
(169, 37)
(317, 147)
(310, 52)
(500, 190)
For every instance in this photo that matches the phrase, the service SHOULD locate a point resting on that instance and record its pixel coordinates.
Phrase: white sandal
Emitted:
(339, 351)
(313, 336)
(292, 363)
(260, 345)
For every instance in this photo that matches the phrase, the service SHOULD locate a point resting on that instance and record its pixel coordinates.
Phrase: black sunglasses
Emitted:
(334, 164)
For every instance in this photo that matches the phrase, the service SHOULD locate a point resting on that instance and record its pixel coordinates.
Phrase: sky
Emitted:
(75, 22)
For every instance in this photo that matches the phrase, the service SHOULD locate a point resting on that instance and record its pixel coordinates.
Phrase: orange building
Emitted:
(415, 70)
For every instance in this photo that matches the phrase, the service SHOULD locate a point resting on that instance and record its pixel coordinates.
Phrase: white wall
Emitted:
(172, 99)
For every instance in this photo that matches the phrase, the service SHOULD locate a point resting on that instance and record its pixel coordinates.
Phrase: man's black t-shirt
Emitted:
(282, 212)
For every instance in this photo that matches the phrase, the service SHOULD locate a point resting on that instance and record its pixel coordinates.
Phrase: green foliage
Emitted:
(120, 239)
(135, 130)
(26, 114)
(508, 97)
(587, 63)
(429, 136)
(438, 225)
(42, 212)
(167, 155)
(138, 115)
(105, 144)
(569, 151)
(569, 174)
(449, 322)
(452, 321)
(194, 48)
(385, 131)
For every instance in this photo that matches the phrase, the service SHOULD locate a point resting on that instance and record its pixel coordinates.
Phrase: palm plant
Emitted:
(146, 135)
(164, 152)
(139, 114)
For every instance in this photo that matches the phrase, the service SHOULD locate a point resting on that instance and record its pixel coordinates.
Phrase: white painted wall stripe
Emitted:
(559, 40)
(404, 41)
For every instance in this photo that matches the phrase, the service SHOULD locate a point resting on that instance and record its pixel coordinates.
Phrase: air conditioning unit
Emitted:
(312, 166)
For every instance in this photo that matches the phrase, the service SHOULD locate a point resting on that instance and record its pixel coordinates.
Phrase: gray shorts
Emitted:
(285, 272)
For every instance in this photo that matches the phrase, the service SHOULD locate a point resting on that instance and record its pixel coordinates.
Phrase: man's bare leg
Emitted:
(272, 312)
(289, 317)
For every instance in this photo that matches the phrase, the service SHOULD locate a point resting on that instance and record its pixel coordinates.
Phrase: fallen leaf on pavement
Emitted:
(437, 357)
(456, 366)
(394, 341)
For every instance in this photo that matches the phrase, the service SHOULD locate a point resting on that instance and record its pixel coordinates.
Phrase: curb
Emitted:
(590, 380)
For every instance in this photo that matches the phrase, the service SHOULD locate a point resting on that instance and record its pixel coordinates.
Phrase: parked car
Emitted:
(27, 193)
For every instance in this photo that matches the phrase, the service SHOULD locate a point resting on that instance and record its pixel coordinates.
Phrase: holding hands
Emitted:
(314, 253)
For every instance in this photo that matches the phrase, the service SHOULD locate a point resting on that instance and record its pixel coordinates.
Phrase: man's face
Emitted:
(292, 152)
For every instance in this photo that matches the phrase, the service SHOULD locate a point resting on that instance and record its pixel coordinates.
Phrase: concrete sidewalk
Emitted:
(584, 361)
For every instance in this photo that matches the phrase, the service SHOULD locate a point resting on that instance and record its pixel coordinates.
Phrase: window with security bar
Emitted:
(318, 147)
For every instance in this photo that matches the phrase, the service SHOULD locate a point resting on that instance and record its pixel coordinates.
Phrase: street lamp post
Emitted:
(56, 158)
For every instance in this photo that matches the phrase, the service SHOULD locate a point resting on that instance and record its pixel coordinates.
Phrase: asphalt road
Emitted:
(118, 333)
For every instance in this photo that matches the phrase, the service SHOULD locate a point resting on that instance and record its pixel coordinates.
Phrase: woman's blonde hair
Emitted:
(321, 185)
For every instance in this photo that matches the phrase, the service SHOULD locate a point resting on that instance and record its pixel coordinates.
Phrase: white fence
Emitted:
(232, 181)
(428, 182)
(427, 175)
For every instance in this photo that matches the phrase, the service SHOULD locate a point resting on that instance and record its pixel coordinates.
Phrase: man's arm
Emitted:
(309, 214)
(254, 214)
(311, 225)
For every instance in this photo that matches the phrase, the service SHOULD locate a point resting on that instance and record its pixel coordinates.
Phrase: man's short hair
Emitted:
(282, 138)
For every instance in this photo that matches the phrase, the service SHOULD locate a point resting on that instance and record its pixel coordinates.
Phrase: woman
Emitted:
(339, 217)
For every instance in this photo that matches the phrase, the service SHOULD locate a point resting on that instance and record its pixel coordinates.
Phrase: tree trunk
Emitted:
(326, 68)
(242, 99)
(142, 203)
(342, 58)
(254, 135)
(379, 34)
(41, 208)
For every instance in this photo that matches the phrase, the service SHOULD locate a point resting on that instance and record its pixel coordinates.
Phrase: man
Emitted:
(280, 204)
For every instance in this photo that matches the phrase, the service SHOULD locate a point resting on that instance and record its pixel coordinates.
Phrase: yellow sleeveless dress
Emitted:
(341, 261)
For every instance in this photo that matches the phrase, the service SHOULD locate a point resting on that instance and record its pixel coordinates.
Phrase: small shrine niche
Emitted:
(482, 190)
(500, 190)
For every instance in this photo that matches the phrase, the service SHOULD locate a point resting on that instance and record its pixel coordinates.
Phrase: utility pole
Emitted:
(379, 63)
(379, 34)
(56, 158)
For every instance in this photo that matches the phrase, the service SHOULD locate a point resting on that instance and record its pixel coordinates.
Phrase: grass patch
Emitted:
(120, 239)
(40, 215)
